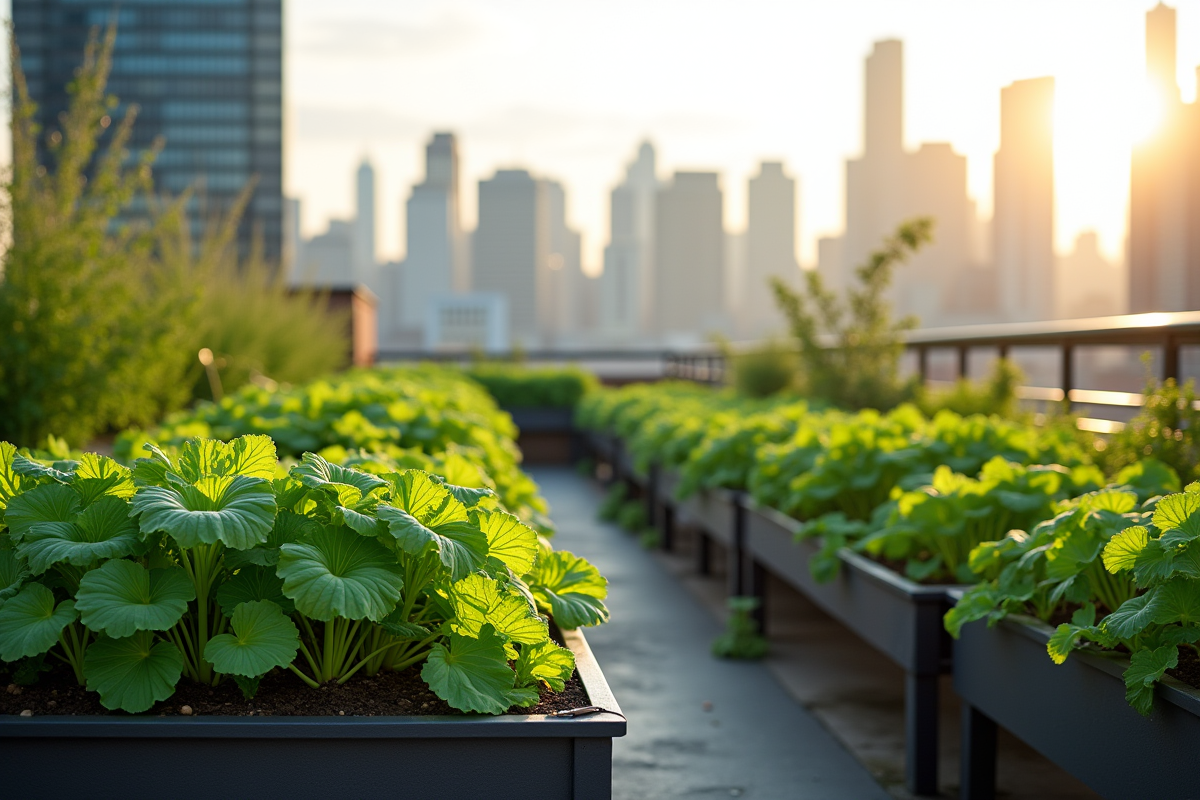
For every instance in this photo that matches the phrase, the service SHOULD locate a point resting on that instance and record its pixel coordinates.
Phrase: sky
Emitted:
(569, 89)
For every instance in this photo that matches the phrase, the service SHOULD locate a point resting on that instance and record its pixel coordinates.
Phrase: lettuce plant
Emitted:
(214, 564)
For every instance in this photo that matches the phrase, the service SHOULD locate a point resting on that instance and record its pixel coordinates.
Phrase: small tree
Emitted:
(850, 348)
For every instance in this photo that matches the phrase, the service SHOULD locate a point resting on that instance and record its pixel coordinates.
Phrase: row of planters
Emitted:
(327, 589)
(1051, 574)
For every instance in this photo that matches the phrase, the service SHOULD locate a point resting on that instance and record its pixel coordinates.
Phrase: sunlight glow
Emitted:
(1149, 113)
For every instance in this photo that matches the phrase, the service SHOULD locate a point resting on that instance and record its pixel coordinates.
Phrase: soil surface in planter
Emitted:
(1188, 670)
(281, 694)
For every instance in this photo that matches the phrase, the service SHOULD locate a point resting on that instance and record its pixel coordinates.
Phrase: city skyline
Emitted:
(1094, 53)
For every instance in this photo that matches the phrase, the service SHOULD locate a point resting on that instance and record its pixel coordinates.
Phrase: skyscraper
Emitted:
(436, 247)
(1164, 191)
(627, 283)
(1023, 206)
(206, 77)
(560, 315)
(689, 257)
(770, 249)
(888, 184)
(511, 248)
(364, 224)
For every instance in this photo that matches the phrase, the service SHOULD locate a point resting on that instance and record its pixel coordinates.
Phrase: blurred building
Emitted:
(689, 258)
(206, 77)
(888, 185)
(1164, 192)
(1023, 206)
(435, 263)
(626, 304)
(1089, 285)
(474, 321)
(363, 245)
(770, 250)
(831, 263)
(561, 315)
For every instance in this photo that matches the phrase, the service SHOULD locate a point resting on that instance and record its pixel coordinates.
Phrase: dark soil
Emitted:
(1188, 670)
(898, 567)
(281, 694)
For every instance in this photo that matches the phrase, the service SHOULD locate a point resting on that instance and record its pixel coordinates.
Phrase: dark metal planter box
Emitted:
(316, 757)
(1075, 714)
(546, 435)
(900, 618)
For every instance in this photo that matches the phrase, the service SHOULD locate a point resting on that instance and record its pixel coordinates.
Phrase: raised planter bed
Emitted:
(900, 618)
(300, 757)
(546, 435)
(1075, 714)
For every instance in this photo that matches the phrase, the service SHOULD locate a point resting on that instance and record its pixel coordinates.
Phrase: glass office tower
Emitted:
(206, 76)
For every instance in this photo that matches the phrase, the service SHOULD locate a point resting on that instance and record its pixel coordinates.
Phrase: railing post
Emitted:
(1068, 374)
(923, 363)
(1170, 359)
(964, 354)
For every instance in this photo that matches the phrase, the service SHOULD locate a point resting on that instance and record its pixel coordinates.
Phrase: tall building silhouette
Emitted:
(770, 250)
(1164, 191)
(511, 248)
(206, 78)
(1023, 206)
(435, 243)
(689, 257)
(627, 285)
(561, 312)
(363, 254)
(888, 184)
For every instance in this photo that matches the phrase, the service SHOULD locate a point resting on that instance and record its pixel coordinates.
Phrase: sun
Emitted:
(1148, 113)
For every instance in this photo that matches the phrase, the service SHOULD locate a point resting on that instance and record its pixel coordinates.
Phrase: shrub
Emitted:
(996, 394)
(517, 386)
(1166, 429)
(861, 367)
(765, 371)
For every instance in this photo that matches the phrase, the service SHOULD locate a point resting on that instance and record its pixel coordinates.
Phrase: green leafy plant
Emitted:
(519, 386)
(764, 371)
(861, 368)
(995, 395)
(212, 563)
(741, 639)
(1166, 430)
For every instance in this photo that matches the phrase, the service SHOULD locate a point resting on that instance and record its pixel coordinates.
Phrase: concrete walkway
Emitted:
(698, 726)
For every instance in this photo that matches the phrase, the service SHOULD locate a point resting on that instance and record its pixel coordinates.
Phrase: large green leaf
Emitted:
(102, 530)
(252, 583)
(262, 639)
(1178, 516)
(238, 510)
(13, 572)
(134, 673)
(337, 573)
(571, 589)
(1122, 550)
(121, 597)
(479, 600)
(48, 503)
(12, 483)
(288, 527)
(317, 473)
(31, 621)
(32, 468)
(1177, 601)
(460, 546)
(99, 476)
(1132, 617)
(545, 662)
(508, 539)
(471, 674)
(1145, 668)
(252, 455)
(425, 497)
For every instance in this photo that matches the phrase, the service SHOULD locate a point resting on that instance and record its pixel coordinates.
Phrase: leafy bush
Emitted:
(213, 563)
(102, 310)
(765, 371)
(1166, 429)
(515, 386)
(259, 330)
(996, 395)
(861, 368)
(741, 638)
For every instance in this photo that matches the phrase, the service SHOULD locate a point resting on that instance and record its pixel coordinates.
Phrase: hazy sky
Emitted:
(568, 90)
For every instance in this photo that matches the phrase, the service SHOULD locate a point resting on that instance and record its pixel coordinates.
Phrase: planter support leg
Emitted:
(652, 497)
(756, 587)
(737, 552)
(921, 732)
(703, 553)
(667, 528)
(978, 759)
